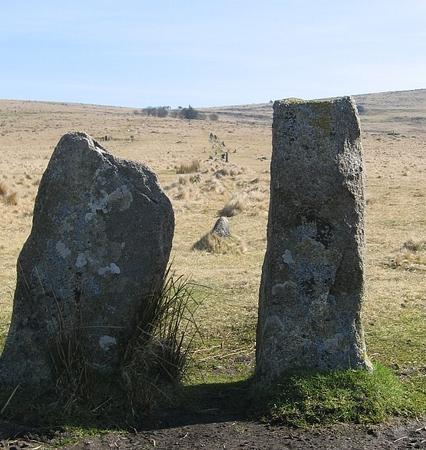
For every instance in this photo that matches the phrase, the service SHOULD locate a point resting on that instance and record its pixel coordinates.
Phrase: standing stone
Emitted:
(312, 281)
(221, 227)
(101, 239)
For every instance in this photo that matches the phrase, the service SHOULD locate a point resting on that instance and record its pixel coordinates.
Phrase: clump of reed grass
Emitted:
(9, 199)
(3, 190)
(414, 246)
(410, 257)
(191, 167)
(158, 354)
(213, 243)
(152, 365)
(235, 205)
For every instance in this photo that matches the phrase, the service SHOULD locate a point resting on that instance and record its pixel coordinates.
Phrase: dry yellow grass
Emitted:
(11, 199)
(396, 210)
(191, 167)
(8, 199)
(233, 206)
(212, 243)
(411, 256)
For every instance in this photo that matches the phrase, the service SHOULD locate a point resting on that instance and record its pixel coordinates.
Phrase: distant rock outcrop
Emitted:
(100, 241)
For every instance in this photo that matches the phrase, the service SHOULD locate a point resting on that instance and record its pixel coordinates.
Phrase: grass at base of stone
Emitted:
(221, 368)
(108, 407)
(148, 377)
(223, 364)
(352, 396)
(397, 386)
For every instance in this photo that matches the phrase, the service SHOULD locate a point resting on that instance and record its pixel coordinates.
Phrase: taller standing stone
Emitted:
(312, 281)
(100, 241)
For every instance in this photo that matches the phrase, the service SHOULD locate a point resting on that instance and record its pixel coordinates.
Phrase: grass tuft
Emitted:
(234, 206)
(213, 243)
(158, 354)
(8, 199)
(414, 246)
(11, 199)
(4, 326)
(191, 167)
(153, 364)
(410, 257)
(3, 189)
(357, 396)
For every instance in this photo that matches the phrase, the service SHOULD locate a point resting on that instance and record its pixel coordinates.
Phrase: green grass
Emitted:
(397, 386)
(224, 357)
(399, 342)
(221, 369)
(72, 435)
(152, 366)
(356, 396)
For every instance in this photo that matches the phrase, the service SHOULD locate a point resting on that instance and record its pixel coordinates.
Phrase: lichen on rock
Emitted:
(100, 241)
(312, 282)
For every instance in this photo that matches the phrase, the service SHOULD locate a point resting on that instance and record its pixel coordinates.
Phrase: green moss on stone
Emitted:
(294, 100)
(322, 115)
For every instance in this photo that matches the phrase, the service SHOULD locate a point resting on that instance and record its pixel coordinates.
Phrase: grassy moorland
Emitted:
(227, 279)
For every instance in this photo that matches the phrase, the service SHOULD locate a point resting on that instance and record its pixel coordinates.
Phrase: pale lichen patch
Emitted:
(62, 249)
(111, 268)
(100, 203)
(121, 196)
(287, 257)
(106, 342)
(81, 260)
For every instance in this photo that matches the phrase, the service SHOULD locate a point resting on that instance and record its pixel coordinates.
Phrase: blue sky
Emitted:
(164, 52)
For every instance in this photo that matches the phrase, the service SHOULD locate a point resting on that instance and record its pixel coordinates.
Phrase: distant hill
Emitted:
(399, 111)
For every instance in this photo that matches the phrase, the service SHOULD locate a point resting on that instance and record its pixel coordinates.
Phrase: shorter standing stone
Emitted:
(100, 242)
(312, 281)
(221, 227)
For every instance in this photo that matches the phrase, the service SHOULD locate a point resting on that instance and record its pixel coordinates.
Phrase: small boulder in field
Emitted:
(100, 241)
(220, 240)
(221, 227)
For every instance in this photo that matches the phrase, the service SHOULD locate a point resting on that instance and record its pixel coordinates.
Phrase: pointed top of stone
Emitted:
(221, 227)
(78, 140)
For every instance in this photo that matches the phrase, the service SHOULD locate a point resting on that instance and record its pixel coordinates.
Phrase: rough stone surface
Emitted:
(101, 238)
(312, 281)
(221, 227)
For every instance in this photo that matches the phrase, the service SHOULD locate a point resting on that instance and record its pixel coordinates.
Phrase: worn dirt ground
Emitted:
(394, 139)
(236, 434)
(255, 436)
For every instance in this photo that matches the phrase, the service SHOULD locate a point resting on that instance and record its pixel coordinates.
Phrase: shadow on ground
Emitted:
(197, 404)
(208, 403)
